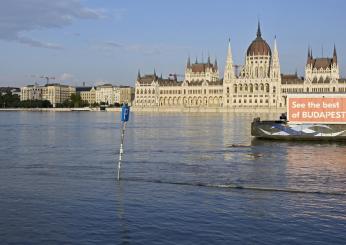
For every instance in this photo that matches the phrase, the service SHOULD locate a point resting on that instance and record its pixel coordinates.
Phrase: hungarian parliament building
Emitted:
(259, 83)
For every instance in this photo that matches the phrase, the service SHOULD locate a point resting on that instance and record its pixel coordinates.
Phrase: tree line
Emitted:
(10, 100)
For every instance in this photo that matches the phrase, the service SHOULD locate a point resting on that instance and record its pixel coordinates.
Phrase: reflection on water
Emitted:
(188, 178)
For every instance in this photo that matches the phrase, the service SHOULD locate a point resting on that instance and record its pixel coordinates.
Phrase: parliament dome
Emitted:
(259, 46)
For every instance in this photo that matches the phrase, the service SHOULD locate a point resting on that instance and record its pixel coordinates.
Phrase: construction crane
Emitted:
(47, 78)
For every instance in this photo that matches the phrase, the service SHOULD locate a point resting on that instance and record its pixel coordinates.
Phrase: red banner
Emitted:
(317, 109)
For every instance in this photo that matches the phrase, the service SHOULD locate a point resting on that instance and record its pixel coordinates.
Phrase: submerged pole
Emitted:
(125, 114)
(121, 150)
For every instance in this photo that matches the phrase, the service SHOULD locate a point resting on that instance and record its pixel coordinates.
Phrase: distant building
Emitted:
(258, 85)
(127, 94)
(10, 90)
(108, 94)
(31, 92)
(57, 93)
(87, 94)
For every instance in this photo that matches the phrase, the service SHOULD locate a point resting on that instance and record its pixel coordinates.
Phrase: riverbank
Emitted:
(156, 109)
(50, 109)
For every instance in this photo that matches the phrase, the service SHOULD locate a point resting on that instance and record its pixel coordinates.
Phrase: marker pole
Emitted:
(121, 151)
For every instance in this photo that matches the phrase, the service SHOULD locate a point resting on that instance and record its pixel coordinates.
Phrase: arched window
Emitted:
(267, 87)
(274, 89)
(235, 88)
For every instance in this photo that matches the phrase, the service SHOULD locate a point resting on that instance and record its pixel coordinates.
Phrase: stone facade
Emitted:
(57, 93)
(108, 94)
(89, 95)
(31, 92)
(258, 86)
(127, 94)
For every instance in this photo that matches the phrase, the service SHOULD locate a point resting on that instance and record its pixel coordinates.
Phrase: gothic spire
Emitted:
(215, 64)
(259, 34)
(229, 71)
(154, 73)
(309, 59)
(335, 57)
(188, 64)
(196, 61)
(138, 75)
(209, 59)
(275, 64)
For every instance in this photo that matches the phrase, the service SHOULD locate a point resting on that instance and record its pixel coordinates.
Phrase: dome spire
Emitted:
(259, 34)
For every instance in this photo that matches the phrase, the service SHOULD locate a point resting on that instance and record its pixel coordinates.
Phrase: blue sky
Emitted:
(96, 41)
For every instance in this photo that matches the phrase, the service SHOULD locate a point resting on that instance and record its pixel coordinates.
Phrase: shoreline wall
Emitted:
(156, 110)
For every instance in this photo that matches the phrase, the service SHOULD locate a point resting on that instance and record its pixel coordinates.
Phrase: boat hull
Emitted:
(281, 130)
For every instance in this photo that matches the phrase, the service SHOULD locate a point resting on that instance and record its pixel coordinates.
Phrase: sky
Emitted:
(99, 41)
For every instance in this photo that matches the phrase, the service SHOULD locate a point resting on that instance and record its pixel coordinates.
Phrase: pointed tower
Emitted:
(138, 75)
(209, 59)
(229, 71)
(310, 58)
(275, 63)
(215, 64)
(259, 34)
(335, 57)
(188, 63)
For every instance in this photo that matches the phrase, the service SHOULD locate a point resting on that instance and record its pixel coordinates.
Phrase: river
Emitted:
(186, 179)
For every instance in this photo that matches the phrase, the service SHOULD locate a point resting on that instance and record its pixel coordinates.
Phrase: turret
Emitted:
(188, 64)
(138, 75)
(275, 64)
(229, 72)
(309, 58)
(335, 57)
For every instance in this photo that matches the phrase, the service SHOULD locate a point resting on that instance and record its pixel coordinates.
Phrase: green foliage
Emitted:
(12, 101)
(9, 100)
(35, 104)
(74, 101)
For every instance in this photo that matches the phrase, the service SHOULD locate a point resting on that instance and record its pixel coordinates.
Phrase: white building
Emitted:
(31, 92)
(259, 84)
(108, 94)
(57, 93)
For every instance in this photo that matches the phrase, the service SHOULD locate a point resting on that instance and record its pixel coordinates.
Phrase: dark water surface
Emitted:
(187, 179)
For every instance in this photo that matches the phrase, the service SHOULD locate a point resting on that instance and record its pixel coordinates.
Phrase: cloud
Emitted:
(18, 17)
(66, 77)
